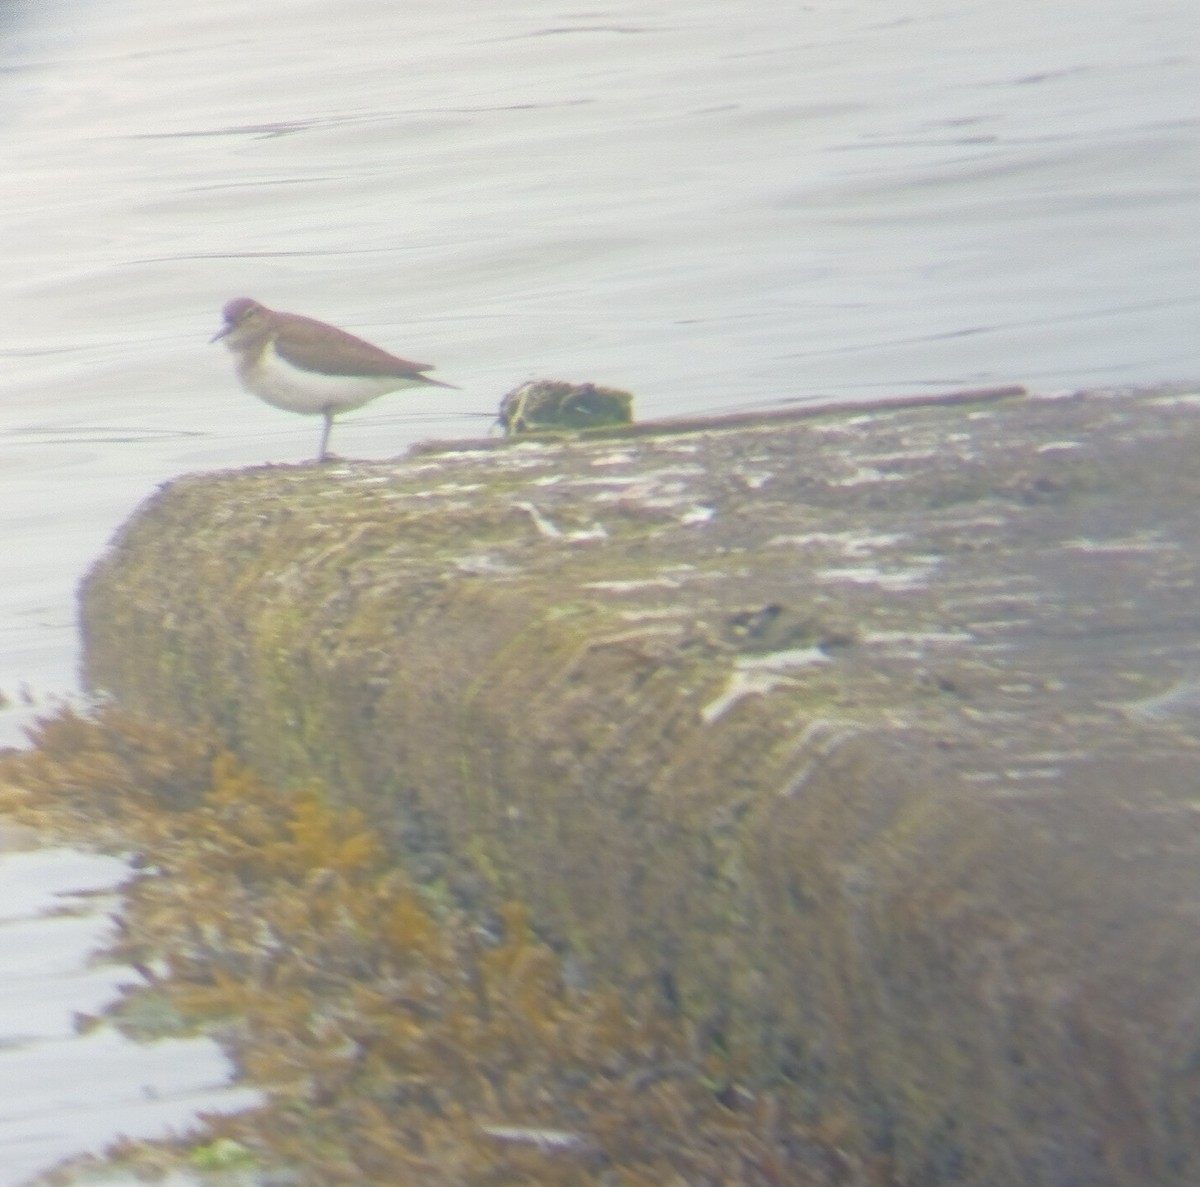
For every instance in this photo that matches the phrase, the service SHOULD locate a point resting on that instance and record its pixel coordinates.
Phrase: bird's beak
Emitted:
(219, 334)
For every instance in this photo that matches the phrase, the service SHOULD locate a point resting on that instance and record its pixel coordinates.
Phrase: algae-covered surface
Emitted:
(867, 740)
(395, 1039)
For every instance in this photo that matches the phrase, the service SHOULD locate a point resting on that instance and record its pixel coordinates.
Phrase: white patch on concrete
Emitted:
(485, 565)
(757, 675)
(614, 459)
(551, 531)
(1141, 542)
(776, 661)
(895, 579)
(547, 1141)
(632, 586)
(756, 481)
(848, 544)
(886, 638)
(867, 476)
(1058, 446)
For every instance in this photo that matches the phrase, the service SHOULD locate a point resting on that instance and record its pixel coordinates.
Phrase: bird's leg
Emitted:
(322, 453)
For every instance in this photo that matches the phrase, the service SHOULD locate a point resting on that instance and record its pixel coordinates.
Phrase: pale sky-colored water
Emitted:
(718, 206)
(62, 1092)
(715, 206)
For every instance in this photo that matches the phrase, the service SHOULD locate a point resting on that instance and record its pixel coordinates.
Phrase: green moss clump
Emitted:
(551, 405)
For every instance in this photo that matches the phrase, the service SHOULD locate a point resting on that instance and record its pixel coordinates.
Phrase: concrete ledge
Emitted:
(871, 736)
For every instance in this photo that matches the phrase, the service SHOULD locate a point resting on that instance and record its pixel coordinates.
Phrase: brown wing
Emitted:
(327, 350)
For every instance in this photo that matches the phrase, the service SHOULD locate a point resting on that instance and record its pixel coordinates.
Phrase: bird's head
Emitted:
(244, 320)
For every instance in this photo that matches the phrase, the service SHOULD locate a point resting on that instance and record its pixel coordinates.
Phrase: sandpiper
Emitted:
(303, 365)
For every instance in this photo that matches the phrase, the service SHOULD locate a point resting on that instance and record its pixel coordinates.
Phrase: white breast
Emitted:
(276, 381)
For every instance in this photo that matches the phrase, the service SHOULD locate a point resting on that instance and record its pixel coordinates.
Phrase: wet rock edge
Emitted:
(866, 736)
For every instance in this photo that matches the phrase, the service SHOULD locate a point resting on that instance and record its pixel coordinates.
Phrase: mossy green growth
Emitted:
(552, 405)
(223, 1154)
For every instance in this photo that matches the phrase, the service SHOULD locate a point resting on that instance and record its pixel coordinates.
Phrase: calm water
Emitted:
(62, 1092)
(716, 206)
